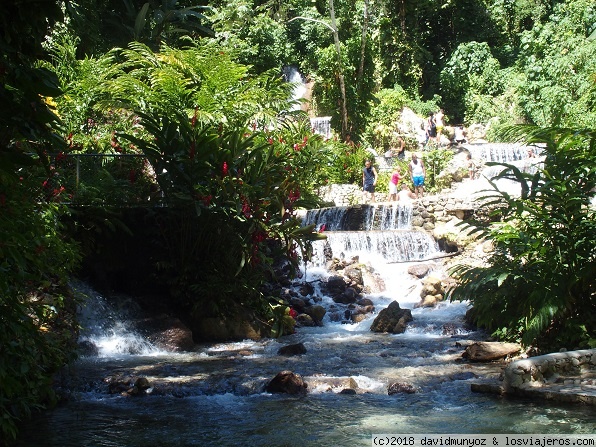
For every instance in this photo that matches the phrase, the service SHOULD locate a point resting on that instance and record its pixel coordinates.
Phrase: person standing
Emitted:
(401, 150)
(369, 179)
(431, 128)
(417, 173)
(440, 123)
(393, 182)
(460, 136)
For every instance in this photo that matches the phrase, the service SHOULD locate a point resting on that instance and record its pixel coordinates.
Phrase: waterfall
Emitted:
(321, 125)
(500, 152)
(512, 154)
(392, 216)
(378, 216)
(291, 74)
(377, 246)
(106, 328)
(327, 219)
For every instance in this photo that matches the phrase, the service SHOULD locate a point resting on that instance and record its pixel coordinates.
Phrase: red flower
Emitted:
(224, 169)
(294, 195)
(293, 313)
(259, 236)
(246, 209)
(206, 199)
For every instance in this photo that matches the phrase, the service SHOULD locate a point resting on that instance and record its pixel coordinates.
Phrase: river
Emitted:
(214, 395)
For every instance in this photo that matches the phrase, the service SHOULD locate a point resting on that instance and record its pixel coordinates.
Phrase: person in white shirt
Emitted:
(417, 173)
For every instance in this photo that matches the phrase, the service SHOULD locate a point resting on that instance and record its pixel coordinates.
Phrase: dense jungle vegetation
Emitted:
(187, 103)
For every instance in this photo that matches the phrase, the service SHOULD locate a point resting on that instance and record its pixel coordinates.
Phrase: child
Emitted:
(393, 182)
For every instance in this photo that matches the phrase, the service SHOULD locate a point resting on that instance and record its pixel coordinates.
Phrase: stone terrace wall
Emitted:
(561, 376)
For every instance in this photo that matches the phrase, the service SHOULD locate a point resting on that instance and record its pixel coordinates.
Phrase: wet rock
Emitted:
(432, 292)
(335, 284)
(392, 319)
(169, 333)
(287, 382)
(306, 289)
(305, 320)
(88, 349)
(419, 271)
(298, 304)
(349, 391)
(141, 387)
(316, 312)
(365, 302)
(290, 350)
(237, 325)
(350, 295)
(354, 274)
(485, 351)
(401, 388)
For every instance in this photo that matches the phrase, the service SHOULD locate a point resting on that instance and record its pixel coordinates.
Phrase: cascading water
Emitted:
(291, 74)
(511, 154)
(321, 125)
(213, 396)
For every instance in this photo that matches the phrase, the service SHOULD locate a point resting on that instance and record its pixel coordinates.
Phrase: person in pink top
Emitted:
(393, 182)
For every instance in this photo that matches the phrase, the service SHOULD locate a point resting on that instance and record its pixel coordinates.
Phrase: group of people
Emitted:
(417, 173)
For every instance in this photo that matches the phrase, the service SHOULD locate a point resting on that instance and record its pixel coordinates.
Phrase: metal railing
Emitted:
(106, 180)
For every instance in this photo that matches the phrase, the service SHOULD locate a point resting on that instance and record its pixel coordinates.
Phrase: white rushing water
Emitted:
(214, 395)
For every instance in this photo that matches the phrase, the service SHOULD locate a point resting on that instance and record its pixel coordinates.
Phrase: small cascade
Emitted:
(377, 247)
(321, 125)
(389, 216)
(106, 328)
(499, 152)
(327, 219)
(378, 216)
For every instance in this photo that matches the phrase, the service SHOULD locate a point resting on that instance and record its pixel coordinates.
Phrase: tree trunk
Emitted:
(342, 85)
(363, 44)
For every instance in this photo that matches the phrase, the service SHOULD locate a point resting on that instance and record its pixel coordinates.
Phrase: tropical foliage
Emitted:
(37, 329)
(539, 285)
(186, 104)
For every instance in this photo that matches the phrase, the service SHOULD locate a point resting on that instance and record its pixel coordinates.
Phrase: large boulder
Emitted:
(485, 351)
(392, 319)
(401, 388)
(234, 326)
(432, 292)
(291, 350)
(168, 333)
(287, 382)
(316, 312)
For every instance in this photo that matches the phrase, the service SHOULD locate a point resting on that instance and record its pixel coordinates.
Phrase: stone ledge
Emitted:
(561, 377)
